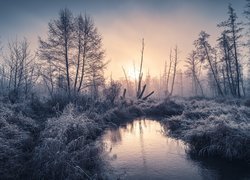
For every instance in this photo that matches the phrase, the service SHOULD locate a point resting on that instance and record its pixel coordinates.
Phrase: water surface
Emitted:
(141, 150)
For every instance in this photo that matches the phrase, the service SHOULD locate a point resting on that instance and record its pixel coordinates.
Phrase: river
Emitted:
(141, 150)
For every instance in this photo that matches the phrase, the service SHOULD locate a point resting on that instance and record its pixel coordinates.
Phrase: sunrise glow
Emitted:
(124, 89)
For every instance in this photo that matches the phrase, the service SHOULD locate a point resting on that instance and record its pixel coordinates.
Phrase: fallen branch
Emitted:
(146, 97)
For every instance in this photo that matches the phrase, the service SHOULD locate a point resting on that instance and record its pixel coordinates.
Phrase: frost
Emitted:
(68, 148)
(213, 129)
(16, 140)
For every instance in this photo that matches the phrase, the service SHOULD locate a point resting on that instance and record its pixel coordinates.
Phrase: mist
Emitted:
(124, 90)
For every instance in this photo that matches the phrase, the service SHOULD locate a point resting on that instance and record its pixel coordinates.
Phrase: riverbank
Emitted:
(68, 147)
(213, 129)
(65, 144)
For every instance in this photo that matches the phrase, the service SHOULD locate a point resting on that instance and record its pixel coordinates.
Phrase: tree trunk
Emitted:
(213, 72)
(174, 73)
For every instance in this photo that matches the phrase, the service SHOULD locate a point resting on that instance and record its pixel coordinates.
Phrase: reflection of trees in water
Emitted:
(221, 169)
(145, 123)
(144, 160)
(131, 127)
(140, 129)
(115, 136)
(175, 147)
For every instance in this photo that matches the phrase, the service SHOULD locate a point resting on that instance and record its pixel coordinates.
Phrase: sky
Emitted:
(163, 24)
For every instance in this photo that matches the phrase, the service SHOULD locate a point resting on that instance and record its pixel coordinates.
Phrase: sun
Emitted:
(132, 73)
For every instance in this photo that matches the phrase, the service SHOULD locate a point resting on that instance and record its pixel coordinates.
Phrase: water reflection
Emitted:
(140, 150)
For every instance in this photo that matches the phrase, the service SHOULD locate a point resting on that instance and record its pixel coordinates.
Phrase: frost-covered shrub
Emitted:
(223, 138)
(122, 114)
(247, 103)
(111, 92)
(16, 142)
(173, 124)
(67, 149)
(213, 129)
(58, 101)
(116, 115)
(196, 114)
(137, 109)
(164, 108)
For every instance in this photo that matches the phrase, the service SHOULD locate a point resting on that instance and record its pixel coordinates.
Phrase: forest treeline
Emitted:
(70, 62)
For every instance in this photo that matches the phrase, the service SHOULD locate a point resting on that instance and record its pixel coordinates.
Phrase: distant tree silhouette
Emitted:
(112, 91)
(247, 44)
(168, 73)
(193, 66)
(175, 63)
(19, 70)
(247, 15)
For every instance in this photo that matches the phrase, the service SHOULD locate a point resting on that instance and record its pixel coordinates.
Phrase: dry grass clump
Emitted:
(165, 108)
(213, 129)
(68, 149)
(16, 142)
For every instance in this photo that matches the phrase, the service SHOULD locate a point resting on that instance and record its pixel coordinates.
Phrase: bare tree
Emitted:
(141, 90)
(180, 75)
(205, 52)
(3, 75)
(111, 93)
(19, 70)
(93, 65)
(80, 37)
(169, 72)
(247, 44)
(165, 79)
(175, 63)
(57, 48)
(140, 72)
(73, 55)
(89, 50)
(193, 70)
(148, 82)
(227, 59)
(127, 81)
(232, 29)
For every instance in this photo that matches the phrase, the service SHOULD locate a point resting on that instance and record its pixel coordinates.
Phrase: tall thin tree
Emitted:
(233, 30)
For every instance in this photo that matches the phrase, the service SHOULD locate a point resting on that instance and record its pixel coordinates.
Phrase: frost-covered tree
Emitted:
(247, 44)
(3, 80)
(167, 73)
(90, 54)
(193, 66)
(57, 49)
(247, 15)
(228, 65)
(207, 54)
(232, 29)
(73, 55)
(112, 91)
(175, 63)
(19, 70)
